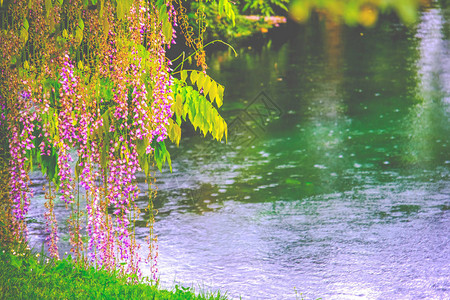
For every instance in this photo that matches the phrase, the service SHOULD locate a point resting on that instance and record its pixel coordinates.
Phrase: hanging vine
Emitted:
(88, 95)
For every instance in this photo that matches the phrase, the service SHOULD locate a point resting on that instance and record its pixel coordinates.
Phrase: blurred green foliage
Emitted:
(350, 12)
(353, 12)
(222, 28)
(265, 8)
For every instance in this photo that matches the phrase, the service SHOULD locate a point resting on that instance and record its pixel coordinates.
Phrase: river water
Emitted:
(335, 181)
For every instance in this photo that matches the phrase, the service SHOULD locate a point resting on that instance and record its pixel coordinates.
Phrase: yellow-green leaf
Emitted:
(168, 31)
(166, 25)
(219, 98)
(206, 86)
(146, 166)
(179, 104)
(194, 76)
(23, 35)
(105, 25)
(120, 9)
(81, 24)
(48, 7)
(213, 91)
(183, 75)
(78, 35)
(174, 131)
(100, 12)
(201, 80)
(26, 25)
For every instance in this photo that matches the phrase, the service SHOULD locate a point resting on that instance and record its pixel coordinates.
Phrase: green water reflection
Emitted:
(335, 173)
(350, 101)
(336, 176)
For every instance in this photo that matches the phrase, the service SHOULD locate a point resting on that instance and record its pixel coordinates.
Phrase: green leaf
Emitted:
(196, 121)
(164, 18)
(49, 166)
(81, 23)
(105, 120)
(183, 75)
(48, 7)
(24, 31)
(221, 7)
(167, 31)
(213, 91)
(219, 97)
(142, 52)
(120, 9)
(178, 104)
(78, 168)
(192, 108)
(141, 148)
(207, 85)
(186, 108)
(146, 167)
(201, 111)
(162, 156)
(201, 80)
(78, 35)
(174, 131)
(194, 76)
(226, 9)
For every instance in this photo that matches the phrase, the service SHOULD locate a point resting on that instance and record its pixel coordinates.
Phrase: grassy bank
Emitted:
(25, 275)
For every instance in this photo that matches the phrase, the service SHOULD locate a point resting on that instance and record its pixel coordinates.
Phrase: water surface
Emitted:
(335, 181)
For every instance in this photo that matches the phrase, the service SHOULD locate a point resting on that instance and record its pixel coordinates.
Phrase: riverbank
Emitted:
(24, 275)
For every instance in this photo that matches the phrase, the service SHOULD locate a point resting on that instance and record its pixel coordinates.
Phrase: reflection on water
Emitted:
(434, 59)
(429, 118)
(336, 177)
(345, 196)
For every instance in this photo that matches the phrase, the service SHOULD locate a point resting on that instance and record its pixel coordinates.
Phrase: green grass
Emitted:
(24, 275)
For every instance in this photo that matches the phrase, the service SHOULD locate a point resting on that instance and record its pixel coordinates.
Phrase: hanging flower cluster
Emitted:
(67, 129)
(99, 102)
(90, 99)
